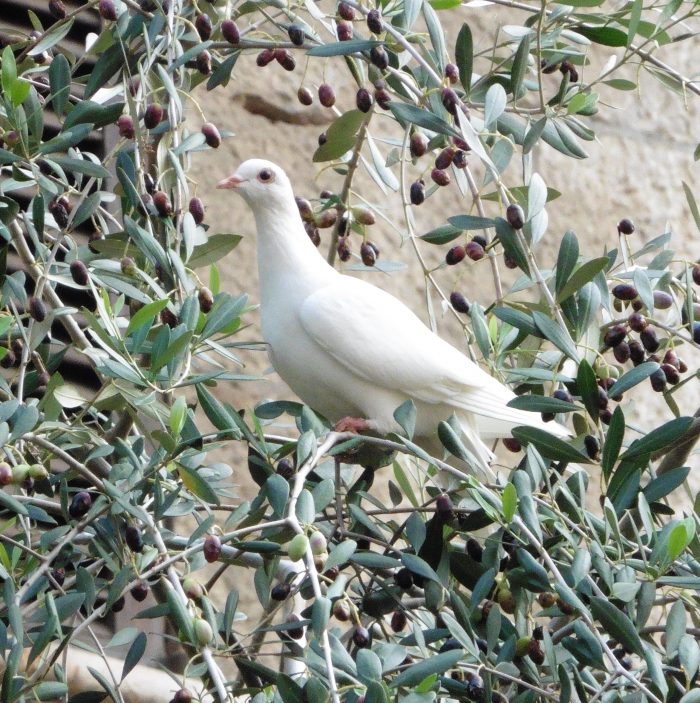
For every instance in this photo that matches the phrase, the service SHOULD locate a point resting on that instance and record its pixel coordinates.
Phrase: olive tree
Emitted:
(520, 586)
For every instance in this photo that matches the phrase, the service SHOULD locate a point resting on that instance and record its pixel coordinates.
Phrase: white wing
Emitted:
(379, 339)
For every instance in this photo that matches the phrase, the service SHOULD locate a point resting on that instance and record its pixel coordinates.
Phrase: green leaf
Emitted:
(606, 36)
(405, 415)
(681, 536)
(60, 82)
(588, 388)
(566, 261)
(88, 112)
(9, 70)
(536, 574)
(519, 68)
(197, 485)
(441, 235)
(226, 310)
(517, 319)
(51, 37)
(320, 614)
(341, 136)
(511, 244)
(215, 411)
(542, 404)
(145, 315)
(418, 566)
(617, 624)
(107, 66)
(613, 441)
(585, 273)
(635, 17)
(548, 445)
(633, 377)
(464, 56)
(86, 209)
(556, 334)
(216, 247)
(50, 690)
(277, 491)
(452, 442)
(343, 48)
(133, 656)
(410, 114)
(662, 485)
(509, 501)
(84, 166)
(66, 139)
(436, 664)
(8, 209)
(657, 439)
(470, 222)
(692, 204)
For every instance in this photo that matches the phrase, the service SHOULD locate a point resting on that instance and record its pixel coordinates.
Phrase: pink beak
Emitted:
(230, 182)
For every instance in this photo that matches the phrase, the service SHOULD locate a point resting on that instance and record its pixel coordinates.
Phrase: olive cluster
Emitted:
(330, 212)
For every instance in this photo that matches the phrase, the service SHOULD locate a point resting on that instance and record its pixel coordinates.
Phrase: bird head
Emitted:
(261, 183)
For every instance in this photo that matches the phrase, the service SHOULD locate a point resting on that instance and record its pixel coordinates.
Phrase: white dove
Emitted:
(352, 351)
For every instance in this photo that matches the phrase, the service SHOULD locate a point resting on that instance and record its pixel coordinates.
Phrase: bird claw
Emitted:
(352, 424)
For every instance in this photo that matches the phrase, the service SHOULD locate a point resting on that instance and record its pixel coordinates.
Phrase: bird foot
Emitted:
(352, 424)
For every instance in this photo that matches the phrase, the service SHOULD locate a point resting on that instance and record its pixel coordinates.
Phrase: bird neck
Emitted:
(287, 258)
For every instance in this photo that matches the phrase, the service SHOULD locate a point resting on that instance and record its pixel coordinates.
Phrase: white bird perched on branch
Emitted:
(350, 350)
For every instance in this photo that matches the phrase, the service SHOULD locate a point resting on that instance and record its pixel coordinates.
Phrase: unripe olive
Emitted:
(296, 549)
(202, 632)
(193, 589)
(317, 542)
(506, 600)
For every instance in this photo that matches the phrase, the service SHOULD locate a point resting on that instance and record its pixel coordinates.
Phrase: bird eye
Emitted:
(266, 176)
